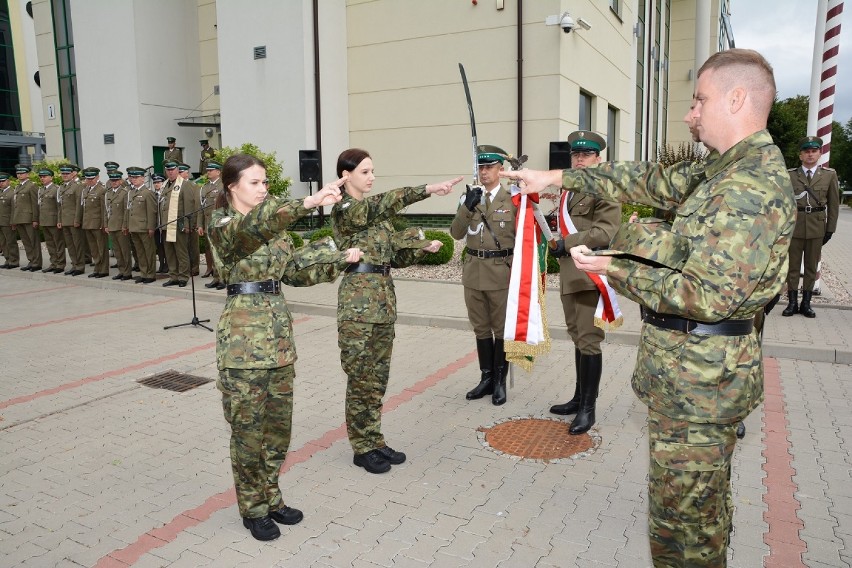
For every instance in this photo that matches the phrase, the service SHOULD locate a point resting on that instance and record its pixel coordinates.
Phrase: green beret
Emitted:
(4, 177)
(211, 165)
(90, 173)
(21, 169)
(170, 165)
(170, 139)
(183, 167)
(582, 140)
(135, 171)
(115, 174)
(111, 166)
(487, 155)
(45, 172)
(67, 168)
(809, 142)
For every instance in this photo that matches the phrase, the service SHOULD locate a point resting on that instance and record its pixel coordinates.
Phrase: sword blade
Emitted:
(472, 124)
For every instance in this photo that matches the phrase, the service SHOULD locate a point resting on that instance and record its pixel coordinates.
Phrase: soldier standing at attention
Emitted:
(254, 253)
(488, 224)
(207, 154)
(71, 217)
(93, 200)
(366, 302)
(115, 210)
(209, 192)
(25, 217)
(177, 203)
(159, 235)
(141, 222)
(590, 221)
(817, 200)
(699, 365)
(172, 154)
(192, 240)
(48, 216)
(8, 238)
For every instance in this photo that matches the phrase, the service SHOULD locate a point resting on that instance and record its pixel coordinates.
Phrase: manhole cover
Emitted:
(173, 381)
(541, 439)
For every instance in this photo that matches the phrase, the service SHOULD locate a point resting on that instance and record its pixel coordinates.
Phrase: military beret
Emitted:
(21, 169)
(158, 177)
(183, 167)
(135, 171)
(4, 177)
(45, 172)
(582, 140)
(487, 155)
(211, 165)
(203, 142)
(111, 166)
(67, 168)
(170, 139)
(115, 174)
(90, 173)
(809, 142)
(170, 165)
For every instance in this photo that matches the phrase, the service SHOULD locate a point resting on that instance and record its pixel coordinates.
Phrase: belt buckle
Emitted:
(808, 208)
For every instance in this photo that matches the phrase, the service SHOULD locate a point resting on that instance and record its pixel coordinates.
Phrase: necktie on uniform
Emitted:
(809, 175)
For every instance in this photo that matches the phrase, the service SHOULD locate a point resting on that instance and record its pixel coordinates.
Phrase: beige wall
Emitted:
(209, 61)
(46, 50)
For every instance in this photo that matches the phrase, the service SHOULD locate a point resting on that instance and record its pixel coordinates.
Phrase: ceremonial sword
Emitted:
(475, 185)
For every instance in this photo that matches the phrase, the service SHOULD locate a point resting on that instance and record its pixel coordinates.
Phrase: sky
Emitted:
(783, 31)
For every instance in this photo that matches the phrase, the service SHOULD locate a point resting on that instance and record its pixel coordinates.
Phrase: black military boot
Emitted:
(590, 375)
(501, 369)
(572, 405)
(485, 350)
(792, 304)
(805, 308)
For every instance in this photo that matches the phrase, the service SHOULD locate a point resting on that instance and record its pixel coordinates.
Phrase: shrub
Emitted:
(319, 233)
(297, 239)
(278, 185)
(552, 264)
(399, 223)
(444, 254)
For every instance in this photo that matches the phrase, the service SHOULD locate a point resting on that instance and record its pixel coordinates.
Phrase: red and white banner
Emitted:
(523, 311)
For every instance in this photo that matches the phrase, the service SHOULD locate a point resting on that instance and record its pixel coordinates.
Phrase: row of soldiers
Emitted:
(80, 217)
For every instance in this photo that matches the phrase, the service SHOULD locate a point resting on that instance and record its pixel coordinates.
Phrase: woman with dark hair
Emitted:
(255, 353)
(366, 303)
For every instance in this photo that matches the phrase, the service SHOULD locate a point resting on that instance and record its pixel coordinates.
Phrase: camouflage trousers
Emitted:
(365, 355)
(689, 491)
(258, 404)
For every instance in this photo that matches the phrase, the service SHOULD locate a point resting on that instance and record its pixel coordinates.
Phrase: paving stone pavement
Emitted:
(98, 470)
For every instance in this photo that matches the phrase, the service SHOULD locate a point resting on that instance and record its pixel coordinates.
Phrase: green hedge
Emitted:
(317, 234)
(297, 239)
(444, 254)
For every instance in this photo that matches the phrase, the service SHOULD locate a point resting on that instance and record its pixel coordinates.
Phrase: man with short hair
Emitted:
(818, 201)
(486, 219)
(172, 153)
(115, 211)
(207, 154)
(699, 367)
(48, 215)
(25, 217)
(8, 238)
(177, 204)
(193, 246)
(209, 192)
(140, 222)
(70, 216)
(157, 181)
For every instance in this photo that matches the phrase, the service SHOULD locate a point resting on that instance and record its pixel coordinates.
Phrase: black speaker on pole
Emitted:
(560, 156)
(310, 165)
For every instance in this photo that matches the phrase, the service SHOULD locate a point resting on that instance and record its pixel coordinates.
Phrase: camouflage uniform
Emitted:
(255, 352)
(366, 308)
(738, 214)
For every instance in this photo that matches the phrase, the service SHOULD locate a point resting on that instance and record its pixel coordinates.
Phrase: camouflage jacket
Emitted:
(366, 224)
(255, 330)
(738, 214)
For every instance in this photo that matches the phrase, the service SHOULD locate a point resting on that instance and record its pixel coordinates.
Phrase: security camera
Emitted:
(567, 23)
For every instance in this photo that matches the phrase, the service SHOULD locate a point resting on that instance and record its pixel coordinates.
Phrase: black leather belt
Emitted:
(808, 209)
(383, 269)
(265, 287)
(489, 253)
(676, 323)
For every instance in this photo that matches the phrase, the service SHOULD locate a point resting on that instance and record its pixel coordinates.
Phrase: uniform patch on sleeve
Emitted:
(345, 205)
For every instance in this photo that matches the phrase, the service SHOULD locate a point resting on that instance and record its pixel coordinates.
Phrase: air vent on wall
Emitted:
(260, 52)
(109, 138)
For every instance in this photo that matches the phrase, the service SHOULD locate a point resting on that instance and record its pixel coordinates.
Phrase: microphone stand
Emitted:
(195, 322)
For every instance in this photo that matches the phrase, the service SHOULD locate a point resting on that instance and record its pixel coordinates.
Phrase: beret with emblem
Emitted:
(583, 140)
(809, 142)
(488, 155)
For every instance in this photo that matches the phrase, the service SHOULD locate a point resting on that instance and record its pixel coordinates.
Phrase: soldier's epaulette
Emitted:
(826, 168)
(792, 169)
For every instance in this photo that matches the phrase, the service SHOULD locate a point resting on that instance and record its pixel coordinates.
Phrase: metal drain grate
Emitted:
(538, 439)
(173, 381)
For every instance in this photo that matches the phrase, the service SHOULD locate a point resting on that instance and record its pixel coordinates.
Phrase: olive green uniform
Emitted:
(366, 309)
(738, 215)
(71, 217)
(24, 214)
(817, 212)
(8, 238)
(209, 192)
(255, 351)
(206, 155)
(93, 199)
(115, 212)
(173, 155)
(48, 216)
(140, 222)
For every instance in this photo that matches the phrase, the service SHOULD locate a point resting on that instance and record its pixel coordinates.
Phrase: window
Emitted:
(67, 75)
(615, 6)
(584, 121)
(611, 133)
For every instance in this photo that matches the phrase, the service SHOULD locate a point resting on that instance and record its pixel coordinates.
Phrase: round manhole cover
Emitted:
(540, 439)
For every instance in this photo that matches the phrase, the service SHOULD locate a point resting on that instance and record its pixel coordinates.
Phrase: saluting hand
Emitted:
(328, 195)
(444, 187)
(354, 254)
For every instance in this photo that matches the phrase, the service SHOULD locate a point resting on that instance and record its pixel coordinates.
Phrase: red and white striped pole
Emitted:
(824, 73)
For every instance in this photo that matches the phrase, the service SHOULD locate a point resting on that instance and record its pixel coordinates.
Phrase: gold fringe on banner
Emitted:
(521, 353)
